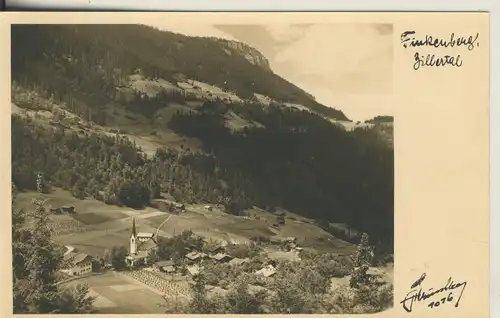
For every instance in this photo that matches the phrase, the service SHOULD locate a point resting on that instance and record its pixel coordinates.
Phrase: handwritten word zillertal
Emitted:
(451, 292)
(410, 40)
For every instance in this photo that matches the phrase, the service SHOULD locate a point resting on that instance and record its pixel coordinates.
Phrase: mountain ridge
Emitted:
(158, 54)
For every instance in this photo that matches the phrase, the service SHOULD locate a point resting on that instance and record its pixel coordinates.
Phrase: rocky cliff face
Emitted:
(249, 53)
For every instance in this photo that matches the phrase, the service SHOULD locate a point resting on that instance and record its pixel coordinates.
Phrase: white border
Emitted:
(492, 6)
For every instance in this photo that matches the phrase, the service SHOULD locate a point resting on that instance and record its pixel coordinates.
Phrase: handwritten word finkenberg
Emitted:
(410, 40)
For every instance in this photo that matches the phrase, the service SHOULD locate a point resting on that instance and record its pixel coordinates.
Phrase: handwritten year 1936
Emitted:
(409, 40)
(447, 293)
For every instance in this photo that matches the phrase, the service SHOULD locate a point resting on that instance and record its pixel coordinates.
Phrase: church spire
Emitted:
(134, 232)
(133, 237)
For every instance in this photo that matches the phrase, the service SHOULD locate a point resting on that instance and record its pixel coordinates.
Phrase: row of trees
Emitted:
(36, 262)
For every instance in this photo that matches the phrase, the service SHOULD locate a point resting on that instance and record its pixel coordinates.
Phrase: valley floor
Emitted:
(96, 227)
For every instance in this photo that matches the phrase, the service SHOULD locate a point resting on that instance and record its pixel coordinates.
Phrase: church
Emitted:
(140, 246)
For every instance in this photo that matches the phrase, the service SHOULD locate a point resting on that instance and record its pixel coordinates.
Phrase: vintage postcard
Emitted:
(246, 163)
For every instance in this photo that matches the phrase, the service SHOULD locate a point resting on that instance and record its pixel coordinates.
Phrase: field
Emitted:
(96, 226)
(118, 294)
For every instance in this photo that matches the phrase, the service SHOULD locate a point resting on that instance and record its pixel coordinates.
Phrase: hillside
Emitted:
(92, 61)
(123, 113)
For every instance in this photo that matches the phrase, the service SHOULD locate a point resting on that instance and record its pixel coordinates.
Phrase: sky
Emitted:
(346, 66)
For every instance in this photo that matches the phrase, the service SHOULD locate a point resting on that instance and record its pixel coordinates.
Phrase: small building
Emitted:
(266, 271)
(139, 258)
(238, 261)
(160, 264)
(208, 207)
(218, 249)
(56, 210)
(77, 264)
(193, 270)
(68, 208)
(144, 236)
(221, 258)
(165, 205)
(277, 240)
(168, 269)
(146, 245)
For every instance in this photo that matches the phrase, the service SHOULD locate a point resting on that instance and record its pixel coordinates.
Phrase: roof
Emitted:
(145, 246)
(145, 234)
(220, 256)
(193, 270)
(283, 256)
(164, 263)
(195, 255)
(139, 255)
(168, 268)
(278, 239)
(218, 247)
(134, 231)
(76, 258)
(238, 261)
(266, 271)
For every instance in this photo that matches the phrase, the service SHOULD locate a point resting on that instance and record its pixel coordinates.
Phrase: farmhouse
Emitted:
(193, 270)
(140, 247)
(165, 266)
(266, 271)
(238, 261)
(77, 264)
(68, 208)
(56, 210)
(217, 249)
(221, 258)
(165, 205)
(196, 256)
(144, 237)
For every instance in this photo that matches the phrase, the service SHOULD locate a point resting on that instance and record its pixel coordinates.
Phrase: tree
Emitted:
(42, 259)
(36, 260)
(107, 257)
(200, 303)
(118, 254)
(75, 300)
(362, 261)
(241, 301)
(133, 194)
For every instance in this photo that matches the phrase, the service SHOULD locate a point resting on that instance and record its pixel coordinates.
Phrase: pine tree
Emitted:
(36, 262)
(362, 261)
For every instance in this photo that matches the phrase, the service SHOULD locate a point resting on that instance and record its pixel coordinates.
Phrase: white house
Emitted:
(144, 236)
(77, 264)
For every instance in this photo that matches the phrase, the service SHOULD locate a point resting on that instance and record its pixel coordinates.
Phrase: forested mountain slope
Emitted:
(251, 153)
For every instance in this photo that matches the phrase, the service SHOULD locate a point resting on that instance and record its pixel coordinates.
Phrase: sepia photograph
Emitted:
(168, 168)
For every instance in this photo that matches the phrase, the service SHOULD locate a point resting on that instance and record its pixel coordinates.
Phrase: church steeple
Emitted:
(133, 239)
(134, 232)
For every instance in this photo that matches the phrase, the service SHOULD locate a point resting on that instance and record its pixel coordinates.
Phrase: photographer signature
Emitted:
(447, 294)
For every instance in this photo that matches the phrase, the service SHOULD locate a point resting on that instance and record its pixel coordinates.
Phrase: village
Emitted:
(163, 267)
(169, 276)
